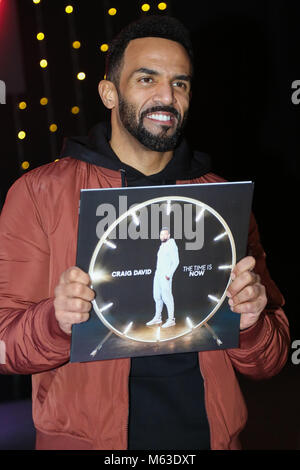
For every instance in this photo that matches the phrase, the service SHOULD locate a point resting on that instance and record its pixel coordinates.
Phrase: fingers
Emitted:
(244, 265)
(72, 304)
(75, 274)
(72, 298)
(245, 286)
(247, 295)
(75, 290)
(249, 300)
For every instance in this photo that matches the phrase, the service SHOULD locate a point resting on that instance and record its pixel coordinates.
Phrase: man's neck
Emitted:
(131, 152)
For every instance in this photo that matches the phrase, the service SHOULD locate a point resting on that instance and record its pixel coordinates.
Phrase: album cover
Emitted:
(160, 260)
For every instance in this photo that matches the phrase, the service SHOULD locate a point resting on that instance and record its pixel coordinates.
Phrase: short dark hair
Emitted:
(161, 26)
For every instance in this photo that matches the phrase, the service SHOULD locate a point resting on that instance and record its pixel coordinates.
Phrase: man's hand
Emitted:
(72, 298)
(247, 295)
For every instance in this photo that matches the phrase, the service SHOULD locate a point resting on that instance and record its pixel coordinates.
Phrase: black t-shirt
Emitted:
(167, 410)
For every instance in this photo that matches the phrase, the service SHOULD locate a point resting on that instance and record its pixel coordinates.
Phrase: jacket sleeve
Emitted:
(31, 340)
(264, 347)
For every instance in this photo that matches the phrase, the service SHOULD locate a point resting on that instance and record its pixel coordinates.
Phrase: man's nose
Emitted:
(164, 94)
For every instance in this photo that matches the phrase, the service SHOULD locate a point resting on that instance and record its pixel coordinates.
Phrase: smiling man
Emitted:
(149, 104)
(180, 401)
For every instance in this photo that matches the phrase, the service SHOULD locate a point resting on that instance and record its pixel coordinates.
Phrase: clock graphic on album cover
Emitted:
(125, 262)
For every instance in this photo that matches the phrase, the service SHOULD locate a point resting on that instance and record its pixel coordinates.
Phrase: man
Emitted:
(179, 401)
(167, 262)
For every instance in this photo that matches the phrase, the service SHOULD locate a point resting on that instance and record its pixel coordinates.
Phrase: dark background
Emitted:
(247, 57)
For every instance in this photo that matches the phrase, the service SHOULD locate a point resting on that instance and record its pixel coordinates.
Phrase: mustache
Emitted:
(166, 109)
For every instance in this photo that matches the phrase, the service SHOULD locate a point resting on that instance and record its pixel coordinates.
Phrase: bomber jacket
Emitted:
(85, 405)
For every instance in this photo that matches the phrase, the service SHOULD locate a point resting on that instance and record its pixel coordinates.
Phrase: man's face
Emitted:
(154, 92)
(164, 236)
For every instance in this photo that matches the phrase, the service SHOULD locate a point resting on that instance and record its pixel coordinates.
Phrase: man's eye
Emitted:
(182, 85)
(146, 79)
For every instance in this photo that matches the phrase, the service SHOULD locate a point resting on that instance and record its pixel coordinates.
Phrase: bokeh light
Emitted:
(25, 165)
(76, 44)
(162, 6)
(104, 47)
(43, 63)
(53, 127)
(21, 135)
(69, 9)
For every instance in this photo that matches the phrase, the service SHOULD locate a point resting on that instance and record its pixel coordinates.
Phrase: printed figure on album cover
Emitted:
(167, 262)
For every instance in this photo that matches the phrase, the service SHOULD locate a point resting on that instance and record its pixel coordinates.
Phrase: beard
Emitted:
(160, 142)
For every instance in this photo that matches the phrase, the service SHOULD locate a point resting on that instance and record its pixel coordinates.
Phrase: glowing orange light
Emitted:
(162, 6)
(75, 110)
(104, 47)
(76, 44)
(53, 127)
(25, 165)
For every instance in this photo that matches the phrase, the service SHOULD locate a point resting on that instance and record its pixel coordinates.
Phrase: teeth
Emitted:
(159, 117)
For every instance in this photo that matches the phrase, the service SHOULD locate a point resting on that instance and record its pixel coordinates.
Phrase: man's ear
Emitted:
(108, 93)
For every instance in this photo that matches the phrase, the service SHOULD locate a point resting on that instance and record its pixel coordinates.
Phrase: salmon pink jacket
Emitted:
(85, 405)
